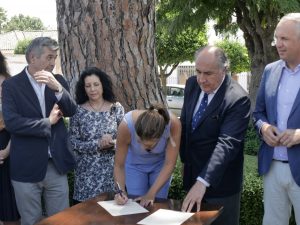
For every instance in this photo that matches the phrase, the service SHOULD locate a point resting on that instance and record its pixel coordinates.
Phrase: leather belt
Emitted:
(283, 161)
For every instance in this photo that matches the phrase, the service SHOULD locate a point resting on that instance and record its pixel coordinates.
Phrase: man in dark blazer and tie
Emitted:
(277, 118)
(212, 144)
(34, 103)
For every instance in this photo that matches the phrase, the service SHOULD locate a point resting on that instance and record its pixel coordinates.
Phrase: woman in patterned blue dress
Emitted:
(147, 148)
(93, 131)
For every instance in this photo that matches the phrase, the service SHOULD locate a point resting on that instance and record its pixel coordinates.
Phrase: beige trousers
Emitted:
(280, 194)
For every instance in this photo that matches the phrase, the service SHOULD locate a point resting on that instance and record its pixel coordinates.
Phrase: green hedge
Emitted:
(252, 196)
(251, 141)
(22, 46)
(176, 190)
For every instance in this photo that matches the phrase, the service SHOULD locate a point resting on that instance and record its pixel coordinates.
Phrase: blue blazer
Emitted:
(214, 150)
(31, 133)
(266, 111)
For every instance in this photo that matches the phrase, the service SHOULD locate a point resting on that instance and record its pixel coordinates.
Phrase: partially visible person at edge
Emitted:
(8, 209)
(212, 138)
(277, 118)
(93, 132)
(147, 148)
(34, 103)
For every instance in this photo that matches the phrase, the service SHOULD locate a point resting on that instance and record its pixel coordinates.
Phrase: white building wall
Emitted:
(184, 71)
(244, 79)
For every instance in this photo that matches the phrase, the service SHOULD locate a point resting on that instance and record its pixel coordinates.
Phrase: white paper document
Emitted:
(166, 217)
(130, 207)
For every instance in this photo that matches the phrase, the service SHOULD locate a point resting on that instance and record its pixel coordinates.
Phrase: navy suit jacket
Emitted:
(214, 150)
(31, 133)
(266, 111)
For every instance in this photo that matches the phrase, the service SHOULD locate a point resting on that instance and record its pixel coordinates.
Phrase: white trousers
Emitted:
(280, 194)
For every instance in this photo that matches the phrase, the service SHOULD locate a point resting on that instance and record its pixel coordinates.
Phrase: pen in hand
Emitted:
(120, 197)
(119, 190)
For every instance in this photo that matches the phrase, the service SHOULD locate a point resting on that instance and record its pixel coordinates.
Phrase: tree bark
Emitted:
(258, 38)
(118, 37)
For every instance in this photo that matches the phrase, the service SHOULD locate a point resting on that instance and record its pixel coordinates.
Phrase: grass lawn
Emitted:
(250, 164)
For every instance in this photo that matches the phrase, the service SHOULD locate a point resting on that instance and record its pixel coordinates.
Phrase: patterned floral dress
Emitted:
(94, 167)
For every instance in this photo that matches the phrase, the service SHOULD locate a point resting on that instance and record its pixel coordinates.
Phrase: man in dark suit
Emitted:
(213, 137)
(277, 118)
(34, 102)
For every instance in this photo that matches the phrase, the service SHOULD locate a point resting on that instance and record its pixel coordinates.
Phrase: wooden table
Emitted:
(91, 213)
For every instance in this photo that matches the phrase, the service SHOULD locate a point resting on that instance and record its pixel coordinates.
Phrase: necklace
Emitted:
(98, 109)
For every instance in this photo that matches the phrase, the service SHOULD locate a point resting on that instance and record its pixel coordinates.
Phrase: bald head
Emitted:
(211, 65)
(216, 52)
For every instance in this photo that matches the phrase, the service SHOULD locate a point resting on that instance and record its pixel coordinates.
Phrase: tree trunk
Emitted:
(164, 73)
(116, 36)
(258, 39)
(163, 79)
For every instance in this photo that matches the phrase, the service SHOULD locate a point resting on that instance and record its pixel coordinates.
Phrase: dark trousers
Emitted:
(231, 209)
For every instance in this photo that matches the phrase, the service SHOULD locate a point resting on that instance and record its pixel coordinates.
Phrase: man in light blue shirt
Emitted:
(277, 118)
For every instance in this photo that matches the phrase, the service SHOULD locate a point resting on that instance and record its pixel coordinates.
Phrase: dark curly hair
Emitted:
(108, 94)
(3, 66)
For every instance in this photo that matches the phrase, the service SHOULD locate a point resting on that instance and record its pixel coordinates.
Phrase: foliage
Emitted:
(3, 18)
(22, 23)
(230, 15)
(252, 195)
(237, 54)
(176, 190)
(67, 122)
(22, 46)
(172, 49)
(256, 18)
(252, 141)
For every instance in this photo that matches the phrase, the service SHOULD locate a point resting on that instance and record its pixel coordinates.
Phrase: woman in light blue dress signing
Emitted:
(147, 149)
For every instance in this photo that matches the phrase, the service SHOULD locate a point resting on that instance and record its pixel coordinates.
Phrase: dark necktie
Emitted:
(200, 111)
